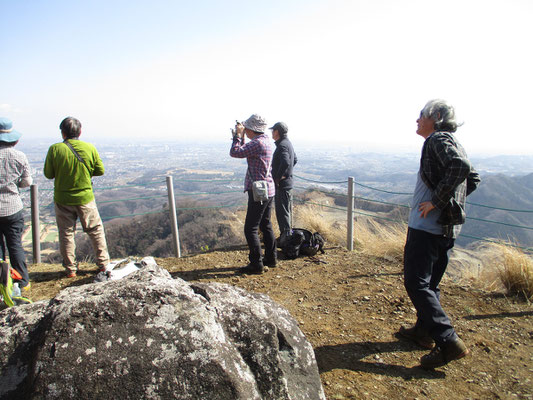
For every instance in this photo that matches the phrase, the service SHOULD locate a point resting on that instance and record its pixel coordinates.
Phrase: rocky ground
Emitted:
(349, 305)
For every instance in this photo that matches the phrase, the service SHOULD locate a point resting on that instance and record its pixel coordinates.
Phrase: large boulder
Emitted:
(153, 337)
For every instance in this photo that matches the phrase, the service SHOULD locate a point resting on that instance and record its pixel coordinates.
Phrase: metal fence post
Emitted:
(349, 236)
(35, 225)
(173, 217)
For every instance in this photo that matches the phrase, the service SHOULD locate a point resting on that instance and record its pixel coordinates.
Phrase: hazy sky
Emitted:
(350, 72)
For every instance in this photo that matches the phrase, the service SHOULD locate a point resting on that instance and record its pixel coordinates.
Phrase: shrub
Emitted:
(151, 234)
(516, 272)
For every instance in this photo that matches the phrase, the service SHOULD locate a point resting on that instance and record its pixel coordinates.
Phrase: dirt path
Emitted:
(350, 305)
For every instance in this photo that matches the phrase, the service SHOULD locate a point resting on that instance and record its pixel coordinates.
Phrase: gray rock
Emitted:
(153, 337)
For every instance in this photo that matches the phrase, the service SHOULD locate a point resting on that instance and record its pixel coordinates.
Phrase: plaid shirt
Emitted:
(15, 173)
(445, 169)
(258, 154)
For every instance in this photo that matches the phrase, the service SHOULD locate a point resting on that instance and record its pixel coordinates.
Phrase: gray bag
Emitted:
(260, 188)
(260, 191)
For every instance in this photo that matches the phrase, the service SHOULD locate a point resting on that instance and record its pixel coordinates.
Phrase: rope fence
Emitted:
(529, 249)
(344, 188)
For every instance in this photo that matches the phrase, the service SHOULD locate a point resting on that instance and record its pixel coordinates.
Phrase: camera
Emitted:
(234, 130)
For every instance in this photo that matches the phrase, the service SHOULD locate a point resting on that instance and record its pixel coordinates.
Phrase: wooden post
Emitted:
(173, 217)
(349, 235)
(35, 225)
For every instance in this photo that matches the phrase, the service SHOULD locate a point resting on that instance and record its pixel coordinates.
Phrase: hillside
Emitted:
(349, 305)
(506, 193)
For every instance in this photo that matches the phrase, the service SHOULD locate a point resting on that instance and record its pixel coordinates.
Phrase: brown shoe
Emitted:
(417, 335)
(442, 355)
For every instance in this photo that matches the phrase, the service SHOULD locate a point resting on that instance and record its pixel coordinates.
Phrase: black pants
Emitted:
(12, 227)
(283, 203)
(425, 261)
(258, 217)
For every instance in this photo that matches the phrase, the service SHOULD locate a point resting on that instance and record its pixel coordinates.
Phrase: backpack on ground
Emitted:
(10, 294)
(303, 242)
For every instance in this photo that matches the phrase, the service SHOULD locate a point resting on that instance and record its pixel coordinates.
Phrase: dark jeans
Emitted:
(12, 227)
(283, 202)
(258, 217)
(425, 261)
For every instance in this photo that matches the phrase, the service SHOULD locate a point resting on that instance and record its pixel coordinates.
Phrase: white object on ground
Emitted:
(113, 273)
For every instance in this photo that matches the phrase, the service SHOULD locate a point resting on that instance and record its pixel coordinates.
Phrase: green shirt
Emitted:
(72, 185)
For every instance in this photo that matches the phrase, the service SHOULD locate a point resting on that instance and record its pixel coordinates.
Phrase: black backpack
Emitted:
(303, 242)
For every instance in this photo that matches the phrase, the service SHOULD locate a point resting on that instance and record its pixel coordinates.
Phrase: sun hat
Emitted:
(255, 123)
(281, 127)
(7, 134)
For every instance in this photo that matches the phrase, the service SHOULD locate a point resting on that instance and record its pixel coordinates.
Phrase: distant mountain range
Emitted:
(504, 193)
(507, 184)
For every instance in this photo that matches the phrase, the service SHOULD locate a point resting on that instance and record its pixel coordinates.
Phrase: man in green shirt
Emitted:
(72, 164)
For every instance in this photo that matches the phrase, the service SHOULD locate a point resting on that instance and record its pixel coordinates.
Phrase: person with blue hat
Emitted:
(15, 173)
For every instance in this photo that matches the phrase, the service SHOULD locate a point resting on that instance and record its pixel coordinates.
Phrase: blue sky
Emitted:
(343, 72)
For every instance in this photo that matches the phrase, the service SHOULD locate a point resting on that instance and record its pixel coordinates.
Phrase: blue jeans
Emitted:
(425, 261)
(258, 217)
(11, 228)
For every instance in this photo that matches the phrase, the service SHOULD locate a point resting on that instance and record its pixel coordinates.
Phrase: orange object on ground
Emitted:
(15, 275)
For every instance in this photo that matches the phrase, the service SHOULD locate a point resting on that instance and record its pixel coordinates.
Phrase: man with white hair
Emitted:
(258, 154)
(445, 178)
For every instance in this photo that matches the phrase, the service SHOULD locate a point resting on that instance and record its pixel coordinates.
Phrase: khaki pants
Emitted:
(92, 225)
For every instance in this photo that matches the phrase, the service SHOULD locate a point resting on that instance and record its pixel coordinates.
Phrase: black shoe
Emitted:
(442, 355)
(253, 268)
(273, 263)
(417, 335)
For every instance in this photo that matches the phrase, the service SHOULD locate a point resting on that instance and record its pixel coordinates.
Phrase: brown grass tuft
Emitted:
(516, 272)
(321, 220)
(378, 239)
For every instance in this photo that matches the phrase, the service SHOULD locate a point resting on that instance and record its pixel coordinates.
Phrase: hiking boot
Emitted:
(253, 268)
(442, 355)
(273, 263)
(417, 335)
(71, 274)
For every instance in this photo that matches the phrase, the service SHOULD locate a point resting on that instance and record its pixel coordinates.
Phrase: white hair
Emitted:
(442, 113)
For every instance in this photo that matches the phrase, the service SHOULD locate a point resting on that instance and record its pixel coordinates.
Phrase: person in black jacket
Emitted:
(283, 161)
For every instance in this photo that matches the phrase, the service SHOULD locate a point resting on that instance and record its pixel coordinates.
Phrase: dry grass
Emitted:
(515, 269)
(380, 240)
(485, 273)
(321, 220)
(370, 237)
